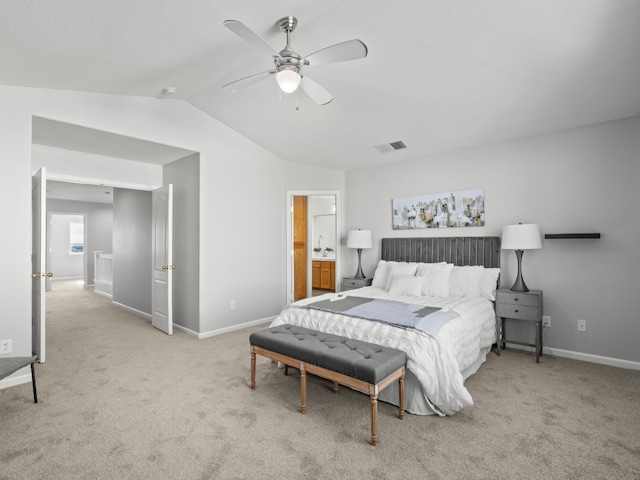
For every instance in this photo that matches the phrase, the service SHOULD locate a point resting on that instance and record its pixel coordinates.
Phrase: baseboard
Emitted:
(220, 331)
(15, 380)
(585, 357)
(188, 331)
(104, 294)
(137, 312)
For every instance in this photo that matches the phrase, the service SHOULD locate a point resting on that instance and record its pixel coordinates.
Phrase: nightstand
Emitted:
(526, 306)
(351, 283)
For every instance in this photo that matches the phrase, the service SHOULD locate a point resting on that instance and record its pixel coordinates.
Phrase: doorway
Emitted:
(313, 240)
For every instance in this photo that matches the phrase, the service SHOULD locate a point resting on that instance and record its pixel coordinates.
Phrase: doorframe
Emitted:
(289, 244)
(85, 264)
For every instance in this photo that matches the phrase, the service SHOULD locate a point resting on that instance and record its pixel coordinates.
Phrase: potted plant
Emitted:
(326, 251)
(317, 249)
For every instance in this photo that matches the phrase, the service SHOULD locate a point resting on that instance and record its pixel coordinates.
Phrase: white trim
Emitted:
(96, 181)
(15, 380)
(126, 307)
(108, 295)
(585, 357)
(220, 331)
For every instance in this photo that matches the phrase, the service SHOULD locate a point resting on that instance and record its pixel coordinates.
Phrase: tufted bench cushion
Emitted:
(360, 365)
(365, 361)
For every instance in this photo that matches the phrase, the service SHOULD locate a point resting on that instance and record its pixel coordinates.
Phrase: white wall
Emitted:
(582, 180)
(82, 167)
(242, 197)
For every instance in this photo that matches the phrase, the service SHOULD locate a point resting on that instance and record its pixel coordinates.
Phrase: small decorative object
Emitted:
(464, 208)
(520, 237)
(326, 251)
(317, 249)
(359, 239)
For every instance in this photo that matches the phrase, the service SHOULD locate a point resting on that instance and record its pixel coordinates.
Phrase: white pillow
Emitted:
(381, 277)
(400, 268)
(405, 285)
(436, 278)
(465, 281)
(489, 282)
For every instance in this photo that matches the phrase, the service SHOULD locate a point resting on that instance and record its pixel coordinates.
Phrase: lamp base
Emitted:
(359, 272)
(519, 285)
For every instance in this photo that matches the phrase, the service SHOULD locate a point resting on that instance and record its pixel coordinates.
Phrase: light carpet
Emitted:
(122, 400)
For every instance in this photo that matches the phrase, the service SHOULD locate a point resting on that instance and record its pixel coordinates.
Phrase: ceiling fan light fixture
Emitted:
(288, 78)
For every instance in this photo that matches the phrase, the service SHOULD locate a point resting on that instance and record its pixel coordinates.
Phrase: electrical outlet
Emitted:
(546, 321)
(232, 305)
(582, 325)
(5, 346)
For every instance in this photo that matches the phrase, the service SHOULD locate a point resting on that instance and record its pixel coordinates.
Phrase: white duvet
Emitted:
(437, 366)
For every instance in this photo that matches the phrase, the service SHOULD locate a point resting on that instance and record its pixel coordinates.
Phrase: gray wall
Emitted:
(98, 228)
(132, 249)
(184, 175)
(581, 180)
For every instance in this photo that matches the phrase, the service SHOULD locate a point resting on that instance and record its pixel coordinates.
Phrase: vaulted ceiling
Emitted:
(439, 75)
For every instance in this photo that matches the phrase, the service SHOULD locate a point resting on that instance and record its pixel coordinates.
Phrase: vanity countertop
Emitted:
(323, 259)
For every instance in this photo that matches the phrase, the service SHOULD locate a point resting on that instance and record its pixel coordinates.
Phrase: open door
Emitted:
(300, 250)
(38, 263)
(162, 252)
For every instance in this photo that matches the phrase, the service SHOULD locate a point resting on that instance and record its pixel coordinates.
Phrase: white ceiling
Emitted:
(440, 74)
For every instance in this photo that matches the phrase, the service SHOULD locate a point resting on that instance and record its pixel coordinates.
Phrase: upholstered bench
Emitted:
(11, 365)
(363, 366)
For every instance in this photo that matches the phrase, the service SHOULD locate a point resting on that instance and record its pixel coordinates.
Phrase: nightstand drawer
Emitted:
(522, 312)
(350, 283)
(516, 298)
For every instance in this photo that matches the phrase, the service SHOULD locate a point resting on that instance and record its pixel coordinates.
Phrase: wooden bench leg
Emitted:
(336, 387)
(303, 388)
(401, 394)
(374, 415)
(253, 369)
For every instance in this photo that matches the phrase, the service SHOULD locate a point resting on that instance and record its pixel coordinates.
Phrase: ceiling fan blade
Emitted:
(340, 52)
(247, 81)
(317, 93)
(249, 36)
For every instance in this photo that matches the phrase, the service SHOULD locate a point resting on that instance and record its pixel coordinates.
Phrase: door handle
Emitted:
(36, 275)
(48, 274)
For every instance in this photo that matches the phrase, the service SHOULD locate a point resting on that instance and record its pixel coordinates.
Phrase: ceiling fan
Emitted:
(288, 64)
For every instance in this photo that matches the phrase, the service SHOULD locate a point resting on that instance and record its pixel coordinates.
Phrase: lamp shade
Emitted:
(359, 239)
(521, 237)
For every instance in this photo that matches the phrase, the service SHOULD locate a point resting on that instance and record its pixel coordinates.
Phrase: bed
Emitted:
(448, 284)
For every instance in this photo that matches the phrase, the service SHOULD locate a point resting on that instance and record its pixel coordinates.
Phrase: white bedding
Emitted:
(437, 366)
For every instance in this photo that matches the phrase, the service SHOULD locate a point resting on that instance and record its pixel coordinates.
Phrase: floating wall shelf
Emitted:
(553, 236)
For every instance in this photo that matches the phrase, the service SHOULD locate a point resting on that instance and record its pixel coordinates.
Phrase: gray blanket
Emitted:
(399, 314)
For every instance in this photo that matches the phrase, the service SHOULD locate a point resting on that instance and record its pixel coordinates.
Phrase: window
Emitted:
(76, 238)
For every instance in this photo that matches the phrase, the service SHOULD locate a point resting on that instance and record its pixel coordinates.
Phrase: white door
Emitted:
(162, 315)
(38, 263)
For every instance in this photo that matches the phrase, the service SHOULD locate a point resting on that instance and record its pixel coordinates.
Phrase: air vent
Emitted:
(391, 147)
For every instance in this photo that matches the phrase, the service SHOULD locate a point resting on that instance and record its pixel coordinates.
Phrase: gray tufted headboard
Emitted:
(460, 251)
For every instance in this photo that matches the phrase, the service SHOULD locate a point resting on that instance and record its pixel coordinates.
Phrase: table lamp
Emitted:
(359, 239)
(520, 237)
